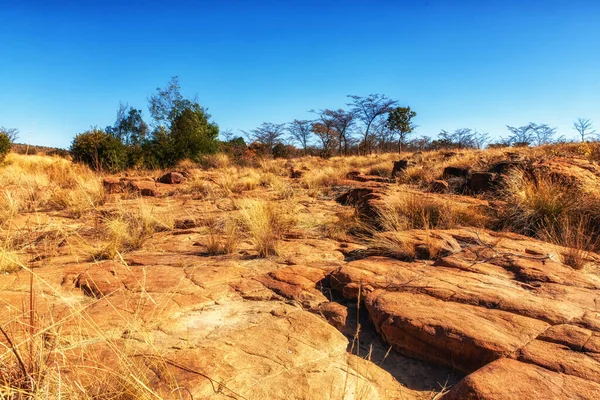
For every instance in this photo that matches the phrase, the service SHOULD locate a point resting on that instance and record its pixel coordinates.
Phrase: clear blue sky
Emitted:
(481, 64)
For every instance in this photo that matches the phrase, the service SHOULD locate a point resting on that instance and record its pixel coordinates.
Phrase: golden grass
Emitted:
(42, 182)
(266, 224)
(408, 210)
(129, 229)
(319, 181)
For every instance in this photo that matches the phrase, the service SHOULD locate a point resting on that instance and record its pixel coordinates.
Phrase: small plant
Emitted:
(9, 261)
(129, 230)
(265, 224)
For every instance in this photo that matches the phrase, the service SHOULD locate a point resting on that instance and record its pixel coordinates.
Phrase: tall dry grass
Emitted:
(265, 224)
(43, 182)
(130, 227)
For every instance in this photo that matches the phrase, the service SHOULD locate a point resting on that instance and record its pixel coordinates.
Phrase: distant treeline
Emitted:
(182, 129)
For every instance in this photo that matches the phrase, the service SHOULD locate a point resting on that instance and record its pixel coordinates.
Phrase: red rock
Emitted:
(171, 178)
(507, 379)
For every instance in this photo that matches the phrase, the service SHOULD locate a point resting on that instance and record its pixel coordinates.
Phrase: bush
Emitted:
(100, 151)
(4, 146)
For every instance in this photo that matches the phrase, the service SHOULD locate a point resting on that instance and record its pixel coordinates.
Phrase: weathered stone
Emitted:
(113, 185)
(399, 167)
(144, 188)
(507, 379)
(455, 172)
(480, 182)
(439, 186)
(172, 178)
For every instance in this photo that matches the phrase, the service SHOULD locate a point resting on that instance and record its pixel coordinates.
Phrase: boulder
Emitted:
(399, 167)
(144, 188)
(504, 167)
(439, 186)
(113, 185)
(462, 172)
(480, 182)
(507, 379)
(171, 178)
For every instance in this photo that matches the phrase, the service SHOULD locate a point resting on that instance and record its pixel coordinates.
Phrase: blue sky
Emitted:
(479, 64)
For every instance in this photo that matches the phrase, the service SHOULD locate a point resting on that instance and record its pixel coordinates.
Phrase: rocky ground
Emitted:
(466, 312)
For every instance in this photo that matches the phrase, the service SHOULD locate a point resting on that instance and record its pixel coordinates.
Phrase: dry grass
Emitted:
(130, 228)
(407, 210)
(319, 181)
(266, 224)
(42, 182)
(9, 261)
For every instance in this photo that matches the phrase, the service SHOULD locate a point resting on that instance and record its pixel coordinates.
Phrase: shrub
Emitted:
(265, 224)
(99, 150)
(4, 146)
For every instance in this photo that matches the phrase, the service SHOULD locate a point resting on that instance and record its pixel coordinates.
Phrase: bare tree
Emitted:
(342, 125)
(522, 135)
(268, 134)
(227, 134)
(480, 139)
(544, 134)
(462, 138)
(584, 128)
(368, 109)
(324, 129)
(301, 131)
(12, 133)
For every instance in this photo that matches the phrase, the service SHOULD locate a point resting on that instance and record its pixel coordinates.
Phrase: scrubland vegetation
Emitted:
(251, 209)
(248, 205)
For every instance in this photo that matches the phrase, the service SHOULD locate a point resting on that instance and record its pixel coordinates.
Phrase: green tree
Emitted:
(400, 121)
(192, 134)
(101, 151)
(182, 128)
(4, 145)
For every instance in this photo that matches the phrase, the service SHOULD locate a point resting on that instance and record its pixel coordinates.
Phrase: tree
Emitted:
(341, 123)
(4, 145)
(99, 150)
(462, 138)
(523, 135)
(368, 109)
(129, 126)
(192, 134)
(301, 131)
(182, 128)
(399, 121)
(324, 130)
(168, 103)
(11, 133)
(480, 139)
(268, 134)
(543, 134)
(531, 134)
(584, 128)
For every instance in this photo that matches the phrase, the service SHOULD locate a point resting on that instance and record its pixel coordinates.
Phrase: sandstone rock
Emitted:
(462, 336)
(504, 167)
(363, 199)
(399, 167)
(144, 188)
(171, 178)
(507, 379)
(480, 182)
(295, 173)
(439, 186)
(455, 172)
(113, 185)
